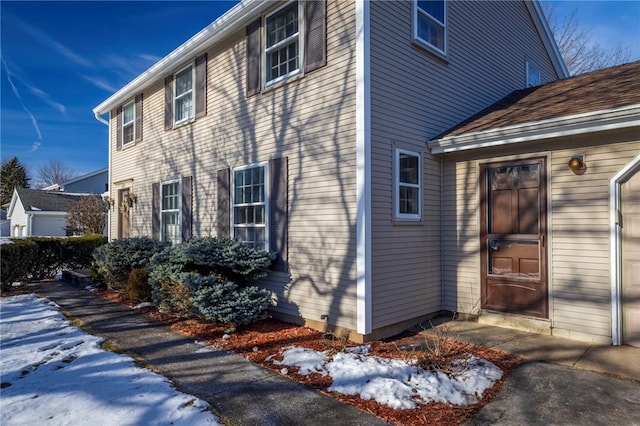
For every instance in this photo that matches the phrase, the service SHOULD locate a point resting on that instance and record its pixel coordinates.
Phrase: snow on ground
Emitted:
(394, 382)
(55, 374)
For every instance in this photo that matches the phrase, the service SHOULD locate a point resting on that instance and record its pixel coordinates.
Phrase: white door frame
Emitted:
(615, 214)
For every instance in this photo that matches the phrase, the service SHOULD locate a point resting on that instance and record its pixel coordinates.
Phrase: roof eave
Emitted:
(603, 120)
(230, 21)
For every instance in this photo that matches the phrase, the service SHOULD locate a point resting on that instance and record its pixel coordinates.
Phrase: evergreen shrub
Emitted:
(137, 288)
(115, 260)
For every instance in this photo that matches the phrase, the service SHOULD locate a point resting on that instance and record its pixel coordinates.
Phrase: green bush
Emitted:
(225, 302)
(16, 262)
(137, 289)
(206, 270)
(115, 260)
(171, 297)
(77, 251)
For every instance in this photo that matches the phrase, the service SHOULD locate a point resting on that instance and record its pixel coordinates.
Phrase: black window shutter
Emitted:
(119, 128)
(138, 107)
(168, 103)
(224, 197)
(185, 206)
(155, 210)
(253, 58)
(201, 85)
(278, 211)
(315, 40)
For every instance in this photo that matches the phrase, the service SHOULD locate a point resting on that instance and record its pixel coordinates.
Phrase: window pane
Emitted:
(249, 216)
(170, 226)
(430, 31)
(409, 168)
(282, 25)
(127, 113)
(434, 8)
(127, 133)
(184, 107)
(408, 199)
(183, 81)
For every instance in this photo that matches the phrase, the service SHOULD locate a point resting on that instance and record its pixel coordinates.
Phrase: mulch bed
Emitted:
(268, 337)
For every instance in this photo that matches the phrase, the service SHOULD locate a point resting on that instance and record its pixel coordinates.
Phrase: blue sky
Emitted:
(61, 59)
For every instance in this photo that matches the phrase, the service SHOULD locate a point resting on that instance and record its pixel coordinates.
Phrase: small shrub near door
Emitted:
(137, 289)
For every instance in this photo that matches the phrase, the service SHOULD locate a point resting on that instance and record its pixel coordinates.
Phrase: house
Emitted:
(5, 224)
(320, 130)
(34, 212)
(91, 183)
(542, 194)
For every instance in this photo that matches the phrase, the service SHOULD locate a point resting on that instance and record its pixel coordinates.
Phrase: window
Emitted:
(250, 205)
(282, 42)
(128, 122)
(170, 212)
(183, 96)
(408, 185)
(533, 75)
(429, 24)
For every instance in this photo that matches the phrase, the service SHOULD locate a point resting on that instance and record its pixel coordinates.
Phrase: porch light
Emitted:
(577, 164)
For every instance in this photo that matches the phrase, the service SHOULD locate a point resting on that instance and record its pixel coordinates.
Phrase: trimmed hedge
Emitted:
(16, 262)
(37, 258)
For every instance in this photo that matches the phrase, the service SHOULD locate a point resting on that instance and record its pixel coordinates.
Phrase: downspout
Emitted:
(442, 277)
(107, 123)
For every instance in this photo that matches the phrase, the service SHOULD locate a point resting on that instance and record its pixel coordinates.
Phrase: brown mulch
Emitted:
(269, 337)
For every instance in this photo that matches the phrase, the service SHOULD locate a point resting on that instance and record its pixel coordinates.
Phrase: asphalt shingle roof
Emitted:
(604, 89)
(37, 199)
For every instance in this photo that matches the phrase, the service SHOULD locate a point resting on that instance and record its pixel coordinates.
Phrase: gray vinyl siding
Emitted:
(414, 97)
(578, 222)
(311, 121)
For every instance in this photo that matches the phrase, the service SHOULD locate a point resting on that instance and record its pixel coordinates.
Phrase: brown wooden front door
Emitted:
(631, 261)
(123, 214)
(512, 237)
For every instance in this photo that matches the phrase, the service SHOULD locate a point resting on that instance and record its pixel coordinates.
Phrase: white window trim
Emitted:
(177, 123)
(267, 197)
(179, 209)
(269, 84)
(424, 43)
(396, 186)
(133, 123)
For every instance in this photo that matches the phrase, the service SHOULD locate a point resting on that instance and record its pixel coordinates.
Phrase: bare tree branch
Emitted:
(54, 172)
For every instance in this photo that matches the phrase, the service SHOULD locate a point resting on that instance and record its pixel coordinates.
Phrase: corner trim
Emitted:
(615, 187)
(363, 168)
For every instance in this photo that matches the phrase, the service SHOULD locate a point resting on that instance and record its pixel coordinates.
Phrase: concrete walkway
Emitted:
(241, 392)
(557, 385)
(562, 382)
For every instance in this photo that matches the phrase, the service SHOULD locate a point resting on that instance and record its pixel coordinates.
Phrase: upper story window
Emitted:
(285, 44)
(250, 205)
(170, 212)
(408, 185)
(282, 42)
(183, 96)
(533, 75)
(128, 122)
(429, 24)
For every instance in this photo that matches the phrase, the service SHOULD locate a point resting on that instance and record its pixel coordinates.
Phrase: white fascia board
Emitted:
(363, 170)
(46, 213)
(549, 41)
(618, 118)
(230, 21)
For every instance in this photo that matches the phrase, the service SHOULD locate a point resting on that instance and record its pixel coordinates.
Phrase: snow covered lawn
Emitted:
(55, 374)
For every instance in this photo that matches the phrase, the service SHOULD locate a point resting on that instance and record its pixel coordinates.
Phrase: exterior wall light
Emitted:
(577, 164)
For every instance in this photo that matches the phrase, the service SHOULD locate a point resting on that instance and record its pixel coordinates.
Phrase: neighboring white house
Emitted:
(91, 183)
(5, 224)
(34, 212)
